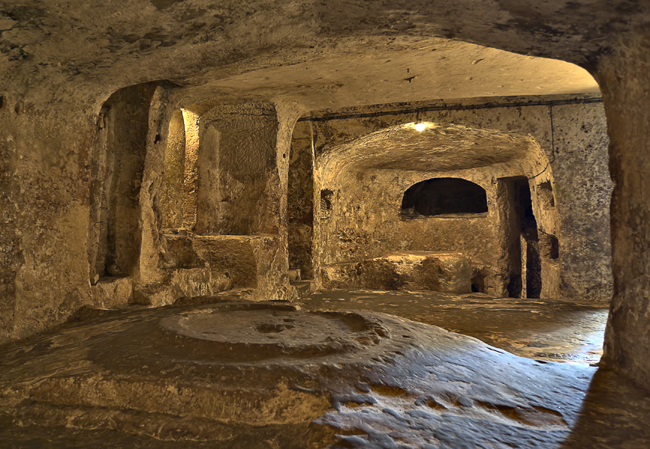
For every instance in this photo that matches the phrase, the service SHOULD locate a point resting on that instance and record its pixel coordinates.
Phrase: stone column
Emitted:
(625, 84)
(509, 240)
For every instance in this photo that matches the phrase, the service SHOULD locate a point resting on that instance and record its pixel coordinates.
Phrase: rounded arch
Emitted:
(444, 196)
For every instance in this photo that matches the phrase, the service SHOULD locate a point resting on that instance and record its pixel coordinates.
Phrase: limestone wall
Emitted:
(44, 205)
(365, 221)
(49, 225)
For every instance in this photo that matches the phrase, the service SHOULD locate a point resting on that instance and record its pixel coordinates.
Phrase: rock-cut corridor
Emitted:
(347, 224)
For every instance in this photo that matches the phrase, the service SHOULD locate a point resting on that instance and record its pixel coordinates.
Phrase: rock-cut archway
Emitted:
(362, 226)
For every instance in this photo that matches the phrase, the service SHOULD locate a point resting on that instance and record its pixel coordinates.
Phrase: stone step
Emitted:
(303, 288)
(294, 274)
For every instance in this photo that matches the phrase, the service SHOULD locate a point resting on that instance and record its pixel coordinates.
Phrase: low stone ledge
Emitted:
(417, 270)
(112, 292)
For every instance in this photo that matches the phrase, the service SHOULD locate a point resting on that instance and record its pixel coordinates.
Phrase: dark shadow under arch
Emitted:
(443, 196)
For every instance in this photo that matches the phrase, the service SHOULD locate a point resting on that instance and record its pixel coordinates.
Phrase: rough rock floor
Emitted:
(535, 328)
(273, 375)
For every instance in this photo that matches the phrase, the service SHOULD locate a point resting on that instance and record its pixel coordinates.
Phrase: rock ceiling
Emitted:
(437, 148)
(318, 54)
(431, 69)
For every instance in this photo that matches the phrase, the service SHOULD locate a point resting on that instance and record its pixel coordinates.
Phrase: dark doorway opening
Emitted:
(521, 238)
(478, 280)
(300, 202)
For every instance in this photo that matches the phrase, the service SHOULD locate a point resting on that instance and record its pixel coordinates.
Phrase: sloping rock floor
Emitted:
(550, 330)
(275, 375)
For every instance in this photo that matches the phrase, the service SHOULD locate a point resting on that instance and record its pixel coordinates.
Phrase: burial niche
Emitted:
(178, 191)
(444, 196)
(117, 165)
(171, 194)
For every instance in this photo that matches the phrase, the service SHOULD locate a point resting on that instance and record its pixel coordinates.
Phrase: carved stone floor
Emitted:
(275, 375)
(558, 331)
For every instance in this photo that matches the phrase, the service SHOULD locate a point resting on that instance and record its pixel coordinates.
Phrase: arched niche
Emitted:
(171, 196)
(178, 192)
(117, 165)
(444, 196)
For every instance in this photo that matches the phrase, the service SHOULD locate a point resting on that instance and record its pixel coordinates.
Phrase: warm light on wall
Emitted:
(419, 125)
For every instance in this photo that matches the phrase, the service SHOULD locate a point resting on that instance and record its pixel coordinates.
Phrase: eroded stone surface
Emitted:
(538, 329)
(200, 376)
(627, 119)
(417, 270)
(262, 333)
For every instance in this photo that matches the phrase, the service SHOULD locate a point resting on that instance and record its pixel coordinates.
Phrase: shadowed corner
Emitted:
(614, 414)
